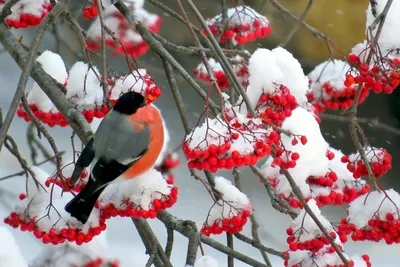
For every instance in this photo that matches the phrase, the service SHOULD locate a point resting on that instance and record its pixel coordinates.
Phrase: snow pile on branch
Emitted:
(27, 13)
(93, 254)
(84, 87)
(142, 196)
(373, 217)
(139, 81)
(244, 25)
(230, 212)
(53, 65)
(10, 254)
(42, 212)
(206, 261)
(328, 88)
(387, 40)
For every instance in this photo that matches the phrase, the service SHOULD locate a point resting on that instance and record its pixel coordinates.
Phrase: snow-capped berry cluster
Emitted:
(277, 84)
(130, 41)
(93, 254)
(243, 25)
(230, 212)
(64, 181)
(218, 145)
(382, 77)
(10, 253)
(51, 223)
(139, 81)
(27, 13)
(373, 217)
(141, 197)
(309, 247)
(238, 66)
(42, 107)
(328, 88)
(379, 158)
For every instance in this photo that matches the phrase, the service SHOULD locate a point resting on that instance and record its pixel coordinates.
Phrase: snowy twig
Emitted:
(276, 200)
(44, 25)
(159, 49)
(314, 32)
(186, 227)
(103, 55)
(370, 122)
(254, 223)
(23, 172)
(148, 234)
(6, 10)
(300, 20)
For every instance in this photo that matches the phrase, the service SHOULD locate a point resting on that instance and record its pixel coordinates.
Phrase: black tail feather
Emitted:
(81, 206)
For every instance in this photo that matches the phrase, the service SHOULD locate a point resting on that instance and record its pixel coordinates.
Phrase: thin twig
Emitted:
(298, 24)
(229, 243)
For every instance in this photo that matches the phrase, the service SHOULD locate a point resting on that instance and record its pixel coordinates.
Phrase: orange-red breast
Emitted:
(126, 144)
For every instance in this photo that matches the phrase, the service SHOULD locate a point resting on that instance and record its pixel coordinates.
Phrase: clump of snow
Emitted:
(312, 161)
(36, 8)
(206, 261)
(308, 259)
(53, 65)
(387, 40)
(232, 202)
(40, 178)
(140, 191)
(374, 205)
(70, 254)
(138, 80)
(330, 71)
(84, 87)
(304, 227)
(270, 69)
(10, 253)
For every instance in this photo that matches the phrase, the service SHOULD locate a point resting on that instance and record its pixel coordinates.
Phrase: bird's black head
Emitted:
(129, 103)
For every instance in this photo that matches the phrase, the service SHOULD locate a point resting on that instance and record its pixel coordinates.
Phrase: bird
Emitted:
(126, 144)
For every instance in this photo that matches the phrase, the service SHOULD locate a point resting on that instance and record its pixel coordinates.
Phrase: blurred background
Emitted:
(342, 20)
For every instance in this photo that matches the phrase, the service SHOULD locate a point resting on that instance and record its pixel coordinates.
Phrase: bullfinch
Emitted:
(126, 144)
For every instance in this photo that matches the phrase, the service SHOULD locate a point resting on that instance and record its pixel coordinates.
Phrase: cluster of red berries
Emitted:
(222, 81)
(25, 20)
(54, 236)
(49, 118)
(76, 188)
(98, 112)
(276, 106)
(364, 257)
(374, 77)
(313, 245)
(379, 158)
(231, 225)
(336, 99)
(345, 196)
(287, 159)
(100, 262)
(152, 90)
(220, 156)
(170, 162)
(241, 33)
(90, 11)
(325, 181)
(377, 229)
(134, 211)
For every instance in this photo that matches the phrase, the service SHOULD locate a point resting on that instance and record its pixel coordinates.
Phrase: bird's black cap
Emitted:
(129, 103)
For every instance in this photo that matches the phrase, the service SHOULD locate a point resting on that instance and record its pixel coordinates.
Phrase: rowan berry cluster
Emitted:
(25, 16)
